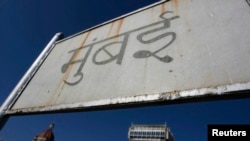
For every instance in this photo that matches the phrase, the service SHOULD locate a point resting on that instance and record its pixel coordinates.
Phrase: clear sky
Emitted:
(27, 26)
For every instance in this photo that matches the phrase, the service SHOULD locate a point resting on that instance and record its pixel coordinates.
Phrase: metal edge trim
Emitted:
(16, 92)
(165, 96)
(109, 21)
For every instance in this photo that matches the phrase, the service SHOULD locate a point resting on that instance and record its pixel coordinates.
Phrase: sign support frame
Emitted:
(16, 92)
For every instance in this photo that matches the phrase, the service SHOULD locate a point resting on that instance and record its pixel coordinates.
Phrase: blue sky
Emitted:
(27, 26)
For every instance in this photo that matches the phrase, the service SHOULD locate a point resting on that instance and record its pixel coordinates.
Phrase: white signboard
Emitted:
(168, 51)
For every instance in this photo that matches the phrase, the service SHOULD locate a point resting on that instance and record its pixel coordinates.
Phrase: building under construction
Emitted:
(150, 133)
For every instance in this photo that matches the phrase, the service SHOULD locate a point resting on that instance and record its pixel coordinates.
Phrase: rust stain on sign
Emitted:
(75, 56)
(176, 4)
(120, 22)
(69, 67)
(115, 28)
(163, 8)
(110, 29)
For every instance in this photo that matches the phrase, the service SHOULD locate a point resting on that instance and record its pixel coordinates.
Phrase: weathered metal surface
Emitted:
(168, 51)
(28, 76)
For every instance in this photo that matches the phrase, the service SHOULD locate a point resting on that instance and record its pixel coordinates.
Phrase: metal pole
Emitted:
(16, 92)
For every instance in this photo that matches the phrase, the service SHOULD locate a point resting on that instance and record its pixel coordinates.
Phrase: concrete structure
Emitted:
(150, 133)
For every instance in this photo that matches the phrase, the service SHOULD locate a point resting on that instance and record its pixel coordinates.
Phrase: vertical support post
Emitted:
(16, 92)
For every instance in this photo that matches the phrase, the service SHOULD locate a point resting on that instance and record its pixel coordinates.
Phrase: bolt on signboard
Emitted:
(167, 51)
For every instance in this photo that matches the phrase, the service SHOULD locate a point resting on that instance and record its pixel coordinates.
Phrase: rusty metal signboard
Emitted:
(169, 50)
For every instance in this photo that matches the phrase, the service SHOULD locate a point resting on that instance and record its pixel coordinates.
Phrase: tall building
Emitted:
(150, 133)
(46, 135)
